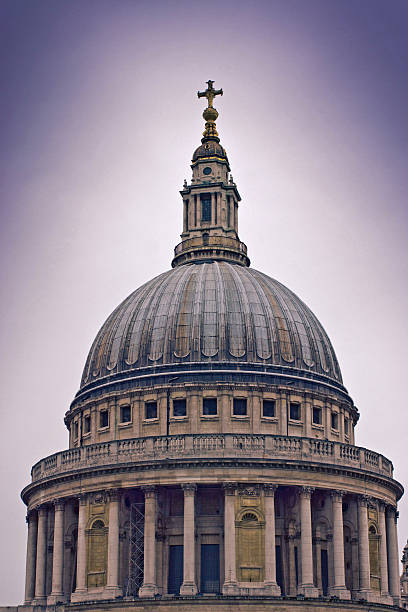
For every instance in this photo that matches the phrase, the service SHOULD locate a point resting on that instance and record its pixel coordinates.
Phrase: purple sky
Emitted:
(99, 121)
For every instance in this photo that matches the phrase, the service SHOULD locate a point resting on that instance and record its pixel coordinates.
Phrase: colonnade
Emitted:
(35, 591)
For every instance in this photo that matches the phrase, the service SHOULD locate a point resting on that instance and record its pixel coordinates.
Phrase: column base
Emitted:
(79, 595)
(396, 600)
(340, 592)
(55, 598)
(148, 590)
(112, 592)
(230, 588)
(387, 599)
(188, 588)
(272, 589)
(39, 601)
(308, 590)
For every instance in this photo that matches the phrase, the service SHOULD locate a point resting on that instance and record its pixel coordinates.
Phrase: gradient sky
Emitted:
(99, 121)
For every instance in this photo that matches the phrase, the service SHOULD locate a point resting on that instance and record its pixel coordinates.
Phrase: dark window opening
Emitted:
(240, 407)
(294, 411)
(346, 427)
(317, 416)
(125, 414)
(87, 424)
(179, 408)
(334, 420)
(205, 208)
(268, 408)
(75, 430)
(210, 568)
(229, 212)
(151, 410)
(210, 406)
(175, 579)
(325, 571)
(103, 418)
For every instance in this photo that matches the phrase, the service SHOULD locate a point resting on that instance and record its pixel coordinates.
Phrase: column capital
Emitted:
(229, 488)
(381, 505)
(189, 489)
(58, 504)
(337, 495)
(149, 491)
(363, 500)
(42, 509)
(114, 495)
(82, 499)
(306, 492)
(31, 516)
(269, 490)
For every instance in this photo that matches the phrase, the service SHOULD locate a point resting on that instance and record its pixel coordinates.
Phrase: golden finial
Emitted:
(210, 114)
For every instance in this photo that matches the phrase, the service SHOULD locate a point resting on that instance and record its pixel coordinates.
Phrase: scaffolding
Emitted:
(136, 549)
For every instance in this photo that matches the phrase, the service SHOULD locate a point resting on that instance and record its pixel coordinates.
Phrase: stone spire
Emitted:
(210, 201)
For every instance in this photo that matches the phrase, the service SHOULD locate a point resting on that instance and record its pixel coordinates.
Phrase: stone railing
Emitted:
(211, 445)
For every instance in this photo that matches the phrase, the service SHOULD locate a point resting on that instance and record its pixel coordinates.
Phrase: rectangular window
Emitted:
(346, 427)
(205, 208)
(103, 418)
(334, 420)
(75, 430)
(151, 410)
(317, 416)
(240, 407)
(87, 423)
(125, 414)
(294, 411)
(210, 406)
(229, 212)
(179, 408)
(268, 408)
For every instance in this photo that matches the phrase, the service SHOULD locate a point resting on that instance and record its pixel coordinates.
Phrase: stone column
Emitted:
(271, 587)
(393, 557)
(81, 587)
(189, 586)
(149, 587)
(112, 582)
(318, 550)
(230, 586)
(383, 554)
(339, 587)
(307, 588)
(292, 565)
(32, 523)
(57, 592)
(363, 548)
(41, 556)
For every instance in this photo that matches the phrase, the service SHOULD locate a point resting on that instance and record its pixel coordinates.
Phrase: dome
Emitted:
(212, 312)
(210, 148)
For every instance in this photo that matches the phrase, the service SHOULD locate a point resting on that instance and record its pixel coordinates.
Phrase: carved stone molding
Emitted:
(149, 491)
(59, 504)
(363, 500)
(249, 491)
(306, 492)
(114, 495)
(337, 495)
(98, 498)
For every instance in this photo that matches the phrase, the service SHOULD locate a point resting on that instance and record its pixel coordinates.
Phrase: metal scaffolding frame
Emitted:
(136, 549)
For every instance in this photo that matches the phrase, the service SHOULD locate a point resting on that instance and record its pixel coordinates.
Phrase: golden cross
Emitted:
(210, 93)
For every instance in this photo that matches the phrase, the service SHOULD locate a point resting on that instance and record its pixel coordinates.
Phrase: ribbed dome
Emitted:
(211, 312)
(210, 148)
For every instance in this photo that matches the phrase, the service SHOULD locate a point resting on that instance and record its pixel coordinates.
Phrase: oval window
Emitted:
(207, 170)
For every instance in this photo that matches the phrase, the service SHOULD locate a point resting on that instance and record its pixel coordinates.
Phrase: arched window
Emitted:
(249, 517)
(97, 554)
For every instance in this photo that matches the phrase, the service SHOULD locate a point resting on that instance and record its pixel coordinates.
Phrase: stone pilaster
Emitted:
(307, 588)
(189, 586)
(57, 593)
(81, 588)
(112, 584)
(149, 587)
(385, 595)
(271, 587)
(230, 586)
(40, 598)
(392, 554)
(32, 523)
(363, 548)
(339, 587)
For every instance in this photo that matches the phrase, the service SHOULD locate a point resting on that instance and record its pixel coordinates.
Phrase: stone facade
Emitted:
(212, 460)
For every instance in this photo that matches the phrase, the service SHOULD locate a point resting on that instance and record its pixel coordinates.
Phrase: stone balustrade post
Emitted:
(32, 523)
(149, 587)
(339, 587)
(112, 583)
(189, 586)
(230, 586)
(363, 548)
(57, 592)
(81, 587)
(42, 528)
(271, 586)
(307, 588)
(392, 554)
